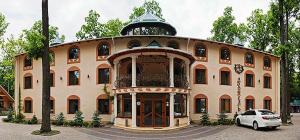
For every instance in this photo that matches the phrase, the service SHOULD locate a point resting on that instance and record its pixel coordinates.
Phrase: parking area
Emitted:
(18, 131)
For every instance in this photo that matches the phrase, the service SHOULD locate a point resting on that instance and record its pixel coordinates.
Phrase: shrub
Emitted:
(204, 120)
(33, 120)
(72, 123)
(96, 120)
(10, 115)
(78, 119)
(6, 120)
(215, 123)
(86, 124)
(19, 118)
(222, 118)
(59, 120)
(66, 123)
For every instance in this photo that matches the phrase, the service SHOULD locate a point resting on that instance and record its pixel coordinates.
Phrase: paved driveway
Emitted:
(10, 131)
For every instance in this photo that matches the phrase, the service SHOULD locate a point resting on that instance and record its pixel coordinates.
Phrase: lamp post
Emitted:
(238, 68)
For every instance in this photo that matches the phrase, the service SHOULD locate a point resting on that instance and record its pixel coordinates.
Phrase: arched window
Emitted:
(52, 78)
(225, 104)
(249, 103)
(268, 103)
(267, 80)
(73, 104)
(200, 75)
(267, 63)
(52, 58)
(225, 76)
(133, 44)
(201, 52)
(249, 78)
(73, 76)
(225, 56)
(201, 103)
(249, 59)
(74, 55)
(103, 50)
(103, 74)
(28, 105)
(28, 81)
(52, 105)
(103, 104)
(173, 44)
(27, 63)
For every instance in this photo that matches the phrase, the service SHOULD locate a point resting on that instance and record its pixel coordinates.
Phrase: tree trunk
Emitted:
(46, 127)
(283, 65)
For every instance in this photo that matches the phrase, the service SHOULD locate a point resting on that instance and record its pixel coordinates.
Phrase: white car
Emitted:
(258, 118)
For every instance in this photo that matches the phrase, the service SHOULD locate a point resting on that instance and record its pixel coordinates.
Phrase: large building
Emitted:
(148, 77)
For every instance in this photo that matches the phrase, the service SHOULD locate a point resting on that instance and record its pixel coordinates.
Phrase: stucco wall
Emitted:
(89, 90)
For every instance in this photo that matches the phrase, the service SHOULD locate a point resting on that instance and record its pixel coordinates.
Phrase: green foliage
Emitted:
(34, 39)
(222, 119)
(150, 6)
(33, 120)
(204, 120)
(86, 124)
(59, 120)
(78, 119)
(225, 30)
(19, 118)
(10, 115)
(112, 28)
(96, 120)
(3, 25)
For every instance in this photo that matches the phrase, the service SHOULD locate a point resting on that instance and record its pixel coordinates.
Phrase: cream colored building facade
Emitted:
(152, 80)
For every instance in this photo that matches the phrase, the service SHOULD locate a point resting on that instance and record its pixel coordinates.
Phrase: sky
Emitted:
(191, 18)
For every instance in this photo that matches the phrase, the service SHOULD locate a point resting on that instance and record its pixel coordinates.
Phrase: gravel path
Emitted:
(9, 131)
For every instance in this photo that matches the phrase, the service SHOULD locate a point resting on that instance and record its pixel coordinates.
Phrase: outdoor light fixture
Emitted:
(213, 76)
(258, 80)
(37, 81)
(88, 76)
(60, 78)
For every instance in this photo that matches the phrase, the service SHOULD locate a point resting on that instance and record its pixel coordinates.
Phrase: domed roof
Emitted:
(149, 20)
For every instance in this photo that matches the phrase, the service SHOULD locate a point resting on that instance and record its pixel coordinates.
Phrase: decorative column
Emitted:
(133, 115)
(115, 108)
(115, 74)
(171, 70)
(172, 109)
(188, 107)
(133, 70)
(187, 65)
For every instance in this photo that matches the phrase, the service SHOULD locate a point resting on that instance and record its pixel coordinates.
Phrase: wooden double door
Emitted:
(153, 110)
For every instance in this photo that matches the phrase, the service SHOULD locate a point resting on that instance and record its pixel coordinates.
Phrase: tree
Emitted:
(46, 124)
(151, 6)
(3, 25)
(92, 27)
(112, 28)
(259, 31)
(225, 30)
(34, 39)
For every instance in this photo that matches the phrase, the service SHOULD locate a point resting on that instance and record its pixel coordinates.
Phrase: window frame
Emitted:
(52, 110)
(72, 97)
(200, 96)
(31, 104)
(29, 67)
(74, 68)
(245, 60)
(270, 83)
(129, 45)
(267, 98)
(225, 69)
(265, 67)
(103, 66)
(249, 97)
(102, 57)
(225, 97)
(52, 63)
(223, 61)
(182, 105)
(249, 72)
(52, 84)
(104, 97)
(71, 61)
(24, 78)
(121, 105)
(173, 42)
(201, 58)
(200, 66)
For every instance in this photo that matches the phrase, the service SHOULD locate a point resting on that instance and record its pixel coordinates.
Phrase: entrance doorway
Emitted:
(152, 111)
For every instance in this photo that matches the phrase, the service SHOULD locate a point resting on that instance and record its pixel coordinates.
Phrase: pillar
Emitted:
(171, 70)
(188, 107)
(133, 71)
(133, 112)
(115, 74)
(187, 65)
(115, 107)
(172, 109)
